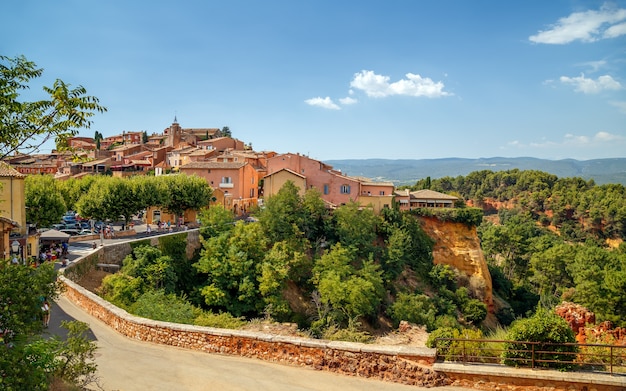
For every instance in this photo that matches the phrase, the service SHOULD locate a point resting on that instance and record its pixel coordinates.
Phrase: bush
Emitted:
(157, 305)
(222, 320)
(443, 332)
(417, 309)
(546, 328)
(474, 311)
(457, 350)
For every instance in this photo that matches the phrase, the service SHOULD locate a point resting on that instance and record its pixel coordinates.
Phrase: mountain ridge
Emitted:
(408, 171)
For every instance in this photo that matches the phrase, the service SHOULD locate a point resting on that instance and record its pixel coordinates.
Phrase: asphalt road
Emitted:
(128, 365)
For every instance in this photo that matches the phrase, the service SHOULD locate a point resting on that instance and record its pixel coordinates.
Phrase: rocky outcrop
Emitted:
(458, 245)
(575, 315)
(583, 323)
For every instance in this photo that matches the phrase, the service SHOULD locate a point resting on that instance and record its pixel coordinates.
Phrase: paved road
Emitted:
(128, 365)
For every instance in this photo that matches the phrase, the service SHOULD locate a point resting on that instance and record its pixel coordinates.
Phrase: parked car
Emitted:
(85, 232)
(71, 232)
(69, 219)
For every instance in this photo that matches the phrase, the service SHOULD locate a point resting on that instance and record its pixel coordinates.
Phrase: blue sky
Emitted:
(345, 79)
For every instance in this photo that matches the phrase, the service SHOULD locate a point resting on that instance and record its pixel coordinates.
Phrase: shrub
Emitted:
(443, 332)
(157, 305)
(418, 309)
(457, 350)
(222, 320)
(474, 311)
(546, 328)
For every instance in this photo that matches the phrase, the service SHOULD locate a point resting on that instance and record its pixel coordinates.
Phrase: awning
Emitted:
(53, 235)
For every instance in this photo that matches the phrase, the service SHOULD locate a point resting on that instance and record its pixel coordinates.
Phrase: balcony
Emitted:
(226, 185)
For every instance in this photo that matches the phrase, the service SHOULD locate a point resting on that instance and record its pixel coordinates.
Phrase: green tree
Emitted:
(110, 198)
(231, 264)
(414, 308)
(185, 192)
(215, 220)
(22, 291)
(545, 328)
(282, 217)
(73, 189)
(226, 132)
(356, 228)
(154, 268)
(25, 126)
(350, 292)
(97, 138)
(44, 203)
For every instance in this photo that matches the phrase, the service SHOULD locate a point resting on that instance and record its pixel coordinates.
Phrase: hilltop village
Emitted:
(239, 176)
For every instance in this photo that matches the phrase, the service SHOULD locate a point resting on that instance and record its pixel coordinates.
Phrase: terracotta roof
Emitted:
(431, 194)
(287, 170)
(207, 165)
(7, 171)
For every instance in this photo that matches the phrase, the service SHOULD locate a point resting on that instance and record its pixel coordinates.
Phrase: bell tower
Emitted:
(174, 134)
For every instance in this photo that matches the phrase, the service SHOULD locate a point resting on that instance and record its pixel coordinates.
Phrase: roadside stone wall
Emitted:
(412, 366)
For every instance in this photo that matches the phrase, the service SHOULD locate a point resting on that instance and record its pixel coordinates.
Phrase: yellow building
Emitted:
(17, 239)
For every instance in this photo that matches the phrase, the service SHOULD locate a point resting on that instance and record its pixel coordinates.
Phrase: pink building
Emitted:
(335, 187)
(235, 182)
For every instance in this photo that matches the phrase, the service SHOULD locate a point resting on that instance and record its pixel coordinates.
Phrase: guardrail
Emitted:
(597, 358)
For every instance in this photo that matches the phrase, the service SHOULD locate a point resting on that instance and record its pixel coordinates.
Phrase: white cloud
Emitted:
(620, 105)
(325, 103)
(591, 86)
(615, 31)
(414, 85)
(347, 101)
(571, 140)
(585, 26)
(605, 136)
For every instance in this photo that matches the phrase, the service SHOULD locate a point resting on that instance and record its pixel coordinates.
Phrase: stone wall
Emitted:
(399, 364)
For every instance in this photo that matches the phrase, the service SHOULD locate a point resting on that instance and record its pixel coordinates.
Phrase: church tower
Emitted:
(174, 134)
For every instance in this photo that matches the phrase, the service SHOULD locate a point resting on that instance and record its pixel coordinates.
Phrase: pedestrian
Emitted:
(148, 229)
(45, 310)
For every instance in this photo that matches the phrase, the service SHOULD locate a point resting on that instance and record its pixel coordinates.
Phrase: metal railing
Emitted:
(563, 356)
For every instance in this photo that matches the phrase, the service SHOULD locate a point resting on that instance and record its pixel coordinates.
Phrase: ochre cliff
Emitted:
(458, 245)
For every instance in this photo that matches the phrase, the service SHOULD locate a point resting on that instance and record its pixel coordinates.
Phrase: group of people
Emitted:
(53, 252)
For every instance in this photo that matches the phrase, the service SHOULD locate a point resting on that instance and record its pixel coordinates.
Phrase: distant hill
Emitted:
(408, 171)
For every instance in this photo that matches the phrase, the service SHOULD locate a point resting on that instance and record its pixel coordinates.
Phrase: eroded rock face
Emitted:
(458, 245)
(575, 315)
(583, 323)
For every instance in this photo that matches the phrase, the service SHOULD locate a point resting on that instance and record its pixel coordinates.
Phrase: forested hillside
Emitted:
(549, 239)
(350, 274)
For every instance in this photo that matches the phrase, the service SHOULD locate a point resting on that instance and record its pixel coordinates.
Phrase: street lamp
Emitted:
(15, 246)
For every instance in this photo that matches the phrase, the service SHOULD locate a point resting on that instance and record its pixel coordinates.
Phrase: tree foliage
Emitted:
(42, 190)
(546, 328)
(25, 126)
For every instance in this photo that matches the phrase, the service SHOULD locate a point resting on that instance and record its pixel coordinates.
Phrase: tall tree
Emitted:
(185, 192)
(226, 132)
(44, 203)
(97, 138)
(26, 126)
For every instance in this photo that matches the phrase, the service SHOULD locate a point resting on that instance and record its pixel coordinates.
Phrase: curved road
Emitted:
(128, 365)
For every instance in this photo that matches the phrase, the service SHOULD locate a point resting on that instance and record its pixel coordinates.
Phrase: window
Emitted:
(382, 192)
(325, 189)
(227, 179)
(345, 189)
(251, 193)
